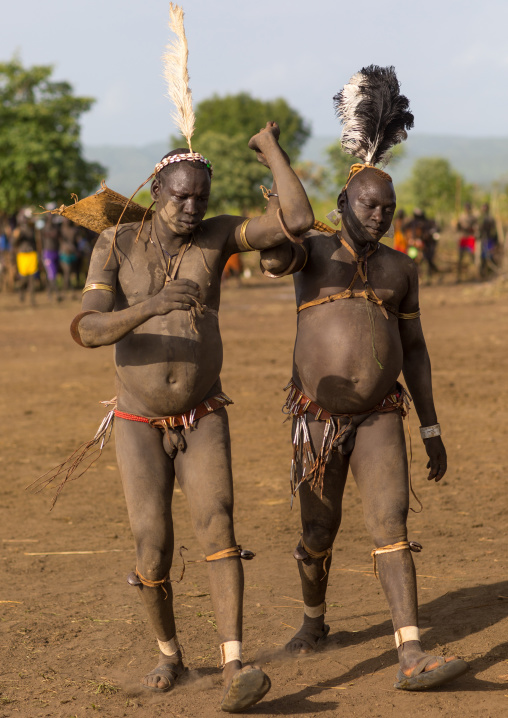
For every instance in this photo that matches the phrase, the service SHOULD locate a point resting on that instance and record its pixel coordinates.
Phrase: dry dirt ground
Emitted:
(74, 640)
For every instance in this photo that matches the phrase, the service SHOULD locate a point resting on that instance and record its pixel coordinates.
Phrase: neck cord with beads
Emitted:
(170, 275)
(198, 309)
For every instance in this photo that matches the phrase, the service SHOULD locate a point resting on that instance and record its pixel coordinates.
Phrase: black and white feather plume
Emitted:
(375, 115)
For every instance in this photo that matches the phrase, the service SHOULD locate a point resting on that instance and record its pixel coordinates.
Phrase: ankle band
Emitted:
(230, 651)
(315, 611)
(169, 648)
(407, 633)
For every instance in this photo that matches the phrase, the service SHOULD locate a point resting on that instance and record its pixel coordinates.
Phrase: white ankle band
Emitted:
(315, 611)
(230, 651)
(407, 633)
(169, 648)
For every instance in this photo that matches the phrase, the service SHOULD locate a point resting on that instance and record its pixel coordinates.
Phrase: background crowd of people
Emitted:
(478, 240)
(47, 251)
(43, 252)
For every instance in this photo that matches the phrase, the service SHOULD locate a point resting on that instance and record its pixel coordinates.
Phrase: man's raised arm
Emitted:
(97, 324)
(295, 214)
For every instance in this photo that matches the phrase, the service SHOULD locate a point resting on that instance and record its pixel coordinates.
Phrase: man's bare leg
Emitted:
(379, 465)
(321, 517)
(148, 479)
(204, 473)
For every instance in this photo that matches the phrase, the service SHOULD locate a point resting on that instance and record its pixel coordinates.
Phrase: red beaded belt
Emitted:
(186, 419)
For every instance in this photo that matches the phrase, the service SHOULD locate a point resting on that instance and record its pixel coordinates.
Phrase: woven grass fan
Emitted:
(102, 210)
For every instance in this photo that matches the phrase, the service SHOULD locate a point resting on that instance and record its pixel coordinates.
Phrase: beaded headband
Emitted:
(184, 157)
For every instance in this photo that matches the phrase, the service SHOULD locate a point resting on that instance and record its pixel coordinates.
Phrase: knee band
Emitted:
(141, 580)
(399, 546)
(232, 552)
(298, 554)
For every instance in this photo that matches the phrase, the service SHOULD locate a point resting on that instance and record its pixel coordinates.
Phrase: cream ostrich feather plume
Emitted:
(177, 76)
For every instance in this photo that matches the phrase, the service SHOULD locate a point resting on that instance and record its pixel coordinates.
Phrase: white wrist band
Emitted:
(407, 633)
(314, 611)
(427, 432)
(230, 651)
(169, 648)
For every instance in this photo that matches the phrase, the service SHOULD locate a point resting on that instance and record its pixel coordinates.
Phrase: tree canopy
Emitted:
(224, 125)
(434, 186)
(40, 151)
(244, 116)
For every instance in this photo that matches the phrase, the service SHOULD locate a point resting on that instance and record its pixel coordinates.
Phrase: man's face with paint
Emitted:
(373, 201)
(182, 197)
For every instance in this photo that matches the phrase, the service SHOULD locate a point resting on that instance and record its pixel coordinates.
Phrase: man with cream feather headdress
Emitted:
(153, 290)
(358, 329)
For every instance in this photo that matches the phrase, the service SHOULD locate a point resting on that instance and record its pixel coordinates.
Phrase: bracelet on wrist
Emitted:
(427, 432)
(266, 192)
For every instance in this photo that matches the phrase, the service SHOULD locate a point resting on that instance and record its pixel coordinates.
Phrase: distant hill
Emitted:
(480, 160)
(127, 166)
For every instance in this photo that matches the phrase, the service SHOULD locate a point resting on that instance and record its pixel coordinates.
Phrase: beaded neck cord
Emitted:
(170, 273)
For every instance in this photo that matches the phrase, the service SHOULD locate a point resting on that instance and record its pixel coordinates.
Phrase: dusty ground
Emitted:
(74, 640)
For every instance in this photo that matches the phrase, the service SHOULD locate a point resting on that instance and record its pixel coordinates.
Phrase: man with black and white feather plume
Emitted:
(358, 330)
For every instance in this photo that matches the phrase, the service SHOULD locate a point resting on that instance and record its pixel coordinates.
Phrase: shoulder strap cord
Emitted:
(367, 293)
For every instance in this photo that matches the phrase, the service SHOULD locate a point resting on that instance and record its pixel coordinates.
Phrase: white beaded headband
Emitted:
(184, 157)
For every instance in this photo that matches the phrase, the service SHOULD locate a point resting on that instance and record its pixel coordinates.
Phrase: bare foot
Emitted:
(165, 674)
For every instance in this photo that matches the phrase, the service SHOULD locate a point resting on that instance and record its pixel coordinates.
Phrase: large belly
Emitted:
(335, 355)
(164, 367)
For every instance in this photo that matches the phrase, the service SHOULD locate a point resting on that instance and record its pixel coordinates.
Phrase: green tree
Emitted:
(40, 151)
(314, 177)
(244, 116)
(224, 125)
(237, 175)
(433, 186)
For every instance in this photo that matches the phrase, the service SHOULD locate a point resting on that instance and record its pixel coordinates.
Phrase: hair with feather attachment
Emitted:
(374, 114)
(177, 76)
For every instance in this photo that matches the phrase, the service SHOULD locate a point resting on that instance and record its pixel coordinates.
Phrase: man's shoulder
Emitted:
(125, 234)
(398, 259)
(217, 230)
(221, 221)
(316, 233)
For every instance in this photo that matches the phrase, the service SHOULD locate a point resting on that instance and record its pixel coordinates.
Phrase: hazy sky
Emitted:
(451, 57)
